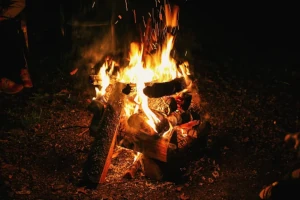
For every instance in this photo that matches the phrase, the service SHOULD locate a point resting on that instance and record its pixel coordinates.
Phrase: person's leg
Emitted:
(12, 57)
(10, 60)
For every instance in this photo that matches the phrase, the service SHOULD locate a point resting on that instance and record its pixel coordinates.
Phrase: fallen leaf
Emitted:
(210, 180)
(215, 174)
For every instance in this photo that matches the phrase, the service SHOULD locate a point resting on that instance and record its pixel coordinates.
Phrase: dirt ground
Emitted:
(251, 104)
(45, 141)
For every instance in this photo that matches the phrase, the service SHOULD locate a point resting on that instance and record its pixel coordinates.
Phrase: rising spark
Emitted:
(126, 5)
(134, 15)
(144, 21)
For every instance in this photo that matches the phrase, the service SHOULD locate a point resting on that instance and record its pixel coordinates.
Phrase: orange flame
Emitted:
(143, 68)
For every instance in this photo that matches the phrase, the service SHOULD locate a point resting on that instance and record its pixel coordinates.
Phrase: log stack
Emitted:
(180, 130)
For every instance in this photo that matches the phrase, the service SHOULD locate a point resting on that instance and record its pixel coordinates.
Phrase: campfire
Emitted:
(150, 106)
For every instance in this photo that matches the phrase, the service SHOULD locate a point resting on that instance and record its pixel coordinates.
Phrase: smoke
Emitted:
(91, 44)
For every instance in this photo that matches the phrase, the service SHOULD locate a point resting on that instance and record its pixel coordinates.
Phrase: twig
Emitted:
(68, 127)
(83, 132)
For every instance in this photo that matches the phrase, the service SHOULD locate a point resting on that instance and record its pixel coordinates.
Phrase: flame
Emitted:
(145, 68)
(104, 75)
(158, 67)
(137, 156)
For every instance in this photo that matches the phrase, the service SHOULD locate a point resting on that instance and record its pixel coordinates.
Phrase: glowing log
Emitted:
(141, 138)
(105, 132)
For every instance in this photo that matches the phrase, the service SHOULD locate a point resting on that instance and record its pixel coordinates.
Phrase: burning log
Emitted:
(98, 161)
(152, 168)
(138, 121)
(97, 108)
(183, 100)
(171, 105)
(157, 90)
(192, 132)
(130, 173)
(152, 146)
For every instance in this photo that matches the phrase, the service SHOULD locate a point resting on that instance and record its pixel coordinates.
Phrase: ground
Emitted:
(45, 139)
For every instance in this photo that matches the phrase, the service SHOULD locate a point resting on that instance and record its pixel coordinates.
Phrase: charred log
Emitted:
(98, 161)
(130, 173)
(171, 105)
(97, 108)
(157, 90)
(179, 117)
(184, 100)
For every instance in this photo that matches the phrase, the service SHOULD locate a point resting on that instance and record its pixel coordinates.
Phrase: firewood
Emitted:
(153, 146)
(171, 105)
(151, 168)
(130, 173)
(97, 108)
(157, 90)
(138, 121)
(183, 100)
(179, 117)
(191, 133)
(98, 161)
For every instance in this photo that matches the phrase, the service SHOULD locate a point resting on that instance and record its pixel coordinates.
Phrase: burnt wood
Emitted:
(157, 90)
(98, 161)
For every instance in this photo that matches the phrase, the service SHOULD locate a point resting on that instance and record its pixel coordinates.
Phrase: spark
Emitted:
(149, 14)
(93, 4)
(155, 3)
(185, 53)
(144, 21)
(126, 5)
(116, 21)
(134, 15)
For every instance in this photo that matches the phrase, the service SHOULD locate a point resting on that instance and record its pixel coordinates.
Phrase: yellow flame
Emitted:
(105, 79)
(136, 156)
(143, 68)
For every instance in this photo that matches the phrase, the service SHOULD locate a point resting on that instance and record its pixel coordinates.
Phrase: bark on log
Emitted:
(98, 161)
(97, 108)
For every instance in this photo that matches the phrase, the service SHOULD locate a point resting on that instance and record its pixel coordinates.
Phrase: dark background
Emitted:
(248, 37)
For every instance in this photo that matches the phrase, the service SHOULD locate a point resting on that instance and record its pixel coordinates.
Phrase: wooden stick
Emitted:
(99, 159)
(130, 173)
